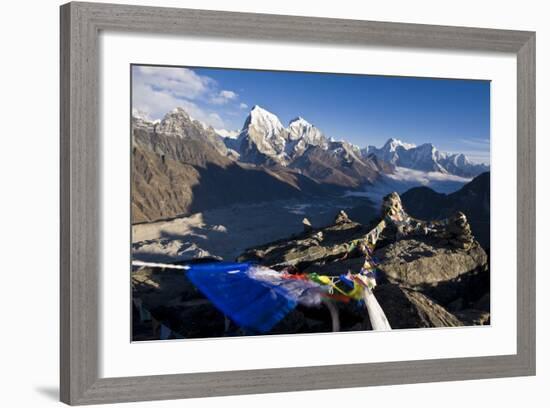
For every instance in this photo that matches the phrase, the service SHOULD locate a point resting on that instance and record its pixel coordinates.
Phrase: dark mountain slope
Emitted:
(473, 200)
(183, 173)
(339, 166)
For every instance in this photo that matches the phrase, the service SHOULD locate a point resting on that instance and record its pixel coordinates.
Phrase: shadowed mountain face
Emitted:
(473, 200)
(164, 188)
(340, 165)
(179, 167)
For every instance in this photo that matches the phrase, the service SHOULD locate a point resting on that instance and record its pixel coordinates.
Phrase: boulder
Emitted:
(420, 261)
(174, 301)
(473, 317)
(409, 309)
(404, 308)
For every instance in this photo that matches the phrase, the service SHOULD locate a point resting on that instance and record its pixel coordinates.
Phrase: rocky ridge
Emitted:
(438, 279)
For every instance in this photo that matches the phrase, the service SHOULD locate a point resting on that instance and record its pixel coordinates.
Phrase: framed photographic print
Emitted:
(259, 203)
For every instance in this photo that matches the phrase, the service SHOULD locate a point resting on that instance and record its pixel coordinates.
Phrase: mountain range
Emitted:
(180, 165)
(426, 158)
(263, 139)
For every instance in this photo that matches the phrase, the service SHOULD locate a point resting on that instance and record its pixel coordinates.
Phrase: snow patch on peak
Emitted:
(299, 127)
(393, 143)
(458, 159)
(262, 136)
(177, 121)
(141, 119)
(303, 134)
(299, 121)
(200, 123)
(179, 114)
(263, 120)
(176, 115)
(178, 111)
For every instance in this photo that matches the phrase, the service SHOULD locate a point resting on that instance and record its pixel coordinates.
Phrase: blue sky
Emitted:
(454, 115)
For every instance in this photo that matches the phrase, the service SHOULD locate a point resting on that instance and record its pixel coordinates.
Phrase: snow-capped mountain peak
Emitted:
(393, 144)
(459, 159)
(299, 126)
(425, 157)
(262, 137)
(175, 122)
(304, 133)
(263, 120)
(264, 140)
(299, 121)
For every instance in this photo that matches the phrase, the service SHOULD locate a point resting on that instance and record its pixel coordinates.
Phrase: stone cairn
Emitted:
(341, 218)
(455, 230)
(458, 231)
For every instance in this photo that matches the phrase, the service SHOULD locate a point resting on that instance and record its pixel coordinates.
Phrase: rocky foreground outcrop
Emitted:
(436, 279)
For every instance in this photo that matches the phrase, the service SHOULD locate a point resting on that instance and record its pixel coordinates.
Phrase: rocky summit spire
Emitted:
(263, 120)
(175, 123)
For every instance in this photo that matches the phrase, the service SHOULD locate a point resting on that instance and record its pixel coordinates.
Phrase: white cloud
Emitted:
(154, 104)
(179, 82)
(477, 142)
(158, 90)
(403, 179)
(424, 177)
(223, 97)
(228, 94)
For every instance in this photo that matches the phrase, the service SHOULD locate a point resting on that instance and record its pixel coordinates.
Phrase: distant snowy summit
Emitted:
(264, 140)
(426, 157)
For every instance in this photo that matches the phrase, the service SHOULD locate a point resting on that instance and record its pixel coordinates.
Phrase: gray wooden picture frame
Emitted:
(81, 24)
